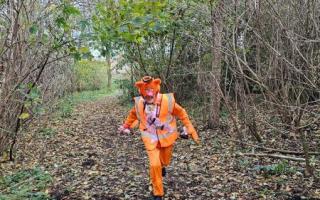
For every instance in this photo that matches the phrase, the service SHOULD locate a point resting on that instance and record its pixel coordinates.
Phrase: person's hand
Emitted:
(195, 137)
(183, 133)
(124, 129)
(198, 142)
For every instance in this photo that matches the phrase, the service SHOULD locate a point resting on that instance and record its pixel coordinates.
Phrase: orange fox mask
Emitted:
(148, 86)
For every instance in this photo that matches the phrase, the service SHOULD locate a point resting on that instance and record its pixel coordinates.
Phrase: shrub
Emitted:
(276, 169)
(90, 75)
(25, 184)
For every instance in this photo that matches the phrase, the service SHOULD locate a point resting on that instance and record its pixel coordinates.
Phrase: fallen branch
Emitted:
(272, 156)
(276, 150)
(288, 152)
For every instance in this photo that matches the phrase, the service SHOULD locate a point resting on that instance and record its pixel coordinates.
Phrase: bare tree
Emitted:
(33, 41)
(217, 36)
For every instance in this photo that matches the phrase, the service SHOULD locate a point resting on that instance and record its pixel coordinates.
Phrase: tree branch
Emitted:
(271, 156)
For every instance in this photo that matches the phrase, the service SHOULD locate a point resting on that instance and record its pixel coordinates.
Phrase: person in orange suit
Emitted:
(157, 114)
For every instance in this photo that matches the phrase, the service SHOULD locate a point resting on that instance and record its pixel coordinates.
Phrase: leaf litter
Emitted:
(88, 159)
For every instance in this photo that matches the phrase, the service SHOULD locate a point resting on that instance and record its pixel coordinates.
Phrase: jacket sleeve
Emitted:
(181, 113)
(132, 118)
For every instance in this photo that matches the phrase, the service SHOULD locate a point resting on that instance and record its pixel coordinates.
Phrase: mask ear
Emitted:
(156, 84)
(139, 84)
(157, 81)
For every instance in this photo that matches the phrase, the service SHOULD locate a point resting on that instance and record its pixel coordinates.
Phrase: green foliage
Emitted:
(47, 132)
(66, 11)
(216, 144)
(69, 10)
(194, 106)
(128, 89)
(69, 25)
(33, 29)
(32, 102)
(274, 120)
(86, 96)
(265, 192)
(25, 184)
(243, 163)
(119, 22)
(224, 113)
(90, 75)
(66, 105)
(61, 22)
(317, 174)
(276, 169)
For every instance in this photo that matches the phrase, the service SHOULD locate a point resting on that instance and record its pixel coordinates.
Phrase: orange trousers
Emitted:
(158, 158)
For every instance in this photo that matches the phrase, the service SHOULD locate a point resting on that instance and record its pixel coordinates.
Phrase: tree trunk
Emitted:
(9, 108)
(109, 74)
(216, 27)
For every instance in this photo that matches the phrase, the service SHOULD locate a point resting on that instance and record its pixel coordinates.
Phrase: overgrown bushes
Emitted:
(90, 75)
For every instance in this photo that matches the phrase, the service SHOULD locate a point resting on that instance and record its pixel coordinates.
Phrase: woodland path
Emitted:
(88, 159)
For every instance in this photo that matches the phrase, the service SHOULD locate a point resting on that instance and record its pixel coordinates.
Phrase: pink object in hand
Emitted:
(123, 129)
(127, 131)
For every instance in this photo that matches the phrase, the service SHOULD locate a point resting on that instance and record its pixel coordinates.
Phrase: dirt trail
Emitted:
(90, 160)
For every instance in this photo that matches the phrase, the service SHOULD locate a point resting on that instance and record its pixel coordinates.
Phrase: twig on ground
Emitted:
(271, 150)
(272, 156)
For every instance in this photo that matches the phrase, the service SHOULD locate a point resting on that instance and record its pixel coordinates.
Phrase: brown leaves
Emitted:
(90, 160)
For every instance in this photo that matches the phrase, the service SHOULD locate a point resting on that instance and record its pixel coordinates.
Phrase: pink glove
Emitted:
(124, 129)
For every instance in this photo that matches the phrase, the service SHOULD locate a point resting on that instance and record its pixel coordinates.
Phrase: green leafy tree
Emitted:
(118, 24)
